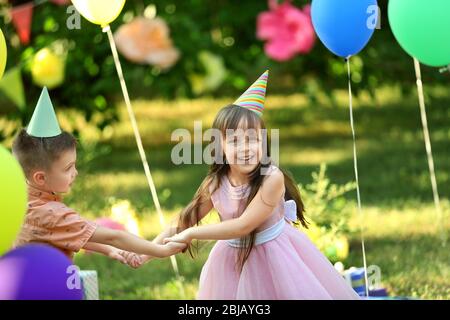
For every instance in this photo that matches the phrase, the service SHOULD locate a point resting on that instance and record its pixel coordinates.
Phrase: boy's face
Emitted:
(62, 173)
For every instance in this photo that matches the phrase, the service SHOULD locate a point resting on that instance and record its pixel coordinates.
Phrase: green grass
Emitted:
(402, 235)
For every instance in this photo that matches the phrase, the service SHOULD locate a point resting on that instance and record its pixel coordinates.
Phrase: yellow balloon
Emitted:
(47, 69)
(13, 199)
(100, 12)
(3, 54)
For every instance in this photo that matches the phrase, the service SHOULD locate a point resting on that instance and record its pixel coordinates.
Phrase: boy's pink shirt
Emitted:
(50, 221)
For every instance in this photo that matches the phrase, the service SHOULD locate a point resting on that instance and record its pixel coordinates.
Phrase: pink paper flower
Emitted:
(287, 29)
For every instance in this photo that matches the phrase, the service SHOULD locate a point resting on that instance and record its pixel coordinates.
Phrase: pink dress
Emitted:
(286, 267)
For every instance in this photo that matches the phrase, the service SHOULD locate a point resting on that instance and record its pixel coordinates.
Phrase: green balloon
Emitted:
(13, 199)
(423, 29)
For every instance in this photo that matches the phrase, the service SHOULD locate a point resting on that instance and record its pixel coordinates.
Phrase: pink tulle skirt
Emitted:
(288, 267)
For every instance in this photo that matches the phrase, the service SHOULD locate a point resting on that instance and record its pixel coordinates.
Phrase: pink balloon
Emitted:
(109, 223)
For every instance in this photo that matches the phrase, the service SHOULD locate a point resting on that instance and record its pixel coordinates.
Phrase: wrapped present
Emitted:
(89, 283)
(356, 278)
(378, 292)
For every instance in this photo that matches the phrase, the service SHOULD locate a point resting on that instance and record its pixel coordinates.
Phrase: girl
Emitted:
(260, 254)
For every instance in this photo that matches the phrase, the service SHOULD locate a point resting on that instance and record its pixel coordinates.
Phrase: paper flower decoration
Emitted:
(148, 41)
(288, 30)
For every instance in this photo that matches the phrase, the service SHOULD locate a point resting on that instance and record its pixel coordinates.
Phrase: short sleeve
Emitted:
(65, 228)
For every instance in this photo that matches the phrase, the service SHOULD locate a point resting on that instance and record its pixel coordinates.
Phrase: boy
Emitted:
(48, 158)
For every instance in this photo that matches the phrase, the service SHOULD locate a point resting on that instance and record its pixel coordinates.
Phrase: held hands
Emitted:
(131, 259)
(135, 260)
(182, 237)
(172, 248)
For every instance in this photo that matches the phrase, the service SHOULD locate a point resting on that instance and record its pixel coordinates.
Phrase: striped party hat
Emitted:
(255, 96)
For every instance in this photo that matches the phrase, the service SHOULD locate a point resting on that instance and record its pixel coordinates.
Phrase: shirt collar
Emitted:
(36, 193)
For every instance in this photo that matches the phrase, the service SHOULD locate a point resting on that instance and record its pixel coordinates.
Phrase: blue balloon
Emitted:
(344, 26)
(38, 272)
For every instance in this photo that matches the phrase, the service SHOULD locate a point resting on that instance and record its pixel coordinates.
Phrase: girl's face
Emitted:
(63, 172)
(243, 148)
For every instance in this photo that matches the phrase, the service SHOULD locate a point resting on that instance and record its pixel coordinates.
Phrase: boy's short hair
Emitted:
(39, 153)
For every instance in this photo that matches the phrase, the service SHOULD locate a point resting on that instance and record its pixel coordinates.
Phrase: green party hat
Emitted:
(255, 96)
(44, 123)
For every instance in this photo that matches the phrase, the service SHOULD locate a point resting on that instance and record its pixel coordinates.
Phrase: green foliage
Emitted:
(329, 214)
(224, 28)
(325, 204)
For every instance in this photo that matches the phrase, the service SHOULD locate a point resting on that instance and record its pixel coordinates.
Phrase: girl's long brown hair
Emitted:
(230, 117)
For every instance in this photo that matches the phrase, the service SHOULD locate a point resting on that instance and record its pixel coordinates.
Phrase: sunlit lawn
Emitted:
(401, 229)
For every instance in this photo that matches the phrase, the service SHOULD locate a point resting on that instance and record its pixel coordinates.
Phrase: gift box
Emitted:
(89, 284)
(356, 279)
(379, 292)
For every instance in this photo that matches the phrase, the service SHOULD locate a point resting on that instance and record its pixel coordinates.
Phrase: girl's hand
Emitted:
(146, 259)
(183, 237)
(172, 248)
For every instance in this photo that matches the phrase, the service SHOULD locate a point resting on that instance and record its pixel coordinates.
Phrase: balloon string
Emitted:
(355, 164)
(426, 135)
(137, 135)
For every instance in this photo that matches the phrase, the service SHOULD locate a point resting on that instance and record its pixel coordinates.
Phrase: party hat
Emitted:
(44, 123)
(255, 96)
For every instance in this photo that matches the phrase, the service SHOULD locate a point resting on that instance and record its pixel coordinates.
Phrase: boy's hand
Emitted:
(116, 255)
(132, 259)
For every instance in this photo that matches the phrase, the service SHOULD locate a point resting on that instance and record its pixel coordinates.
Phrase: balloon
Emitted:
(342, 247)
(38, 272)
(3, 53)
(13, 199)
(110, 223)
(47, 69)
(101, 12)
(423, 29)
(344, 27)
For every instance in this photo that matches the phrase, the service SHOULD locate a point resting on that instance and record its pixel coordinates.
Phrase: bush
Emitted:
(329, 213)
